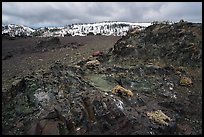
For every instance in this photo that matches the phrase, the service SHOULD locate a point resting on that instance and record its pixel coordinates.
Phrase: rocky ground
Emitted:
(21, 56)
(148, 83)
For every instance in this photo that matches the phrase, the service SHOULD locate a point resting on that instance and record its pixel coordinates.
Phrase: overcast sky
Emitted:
(40, 14)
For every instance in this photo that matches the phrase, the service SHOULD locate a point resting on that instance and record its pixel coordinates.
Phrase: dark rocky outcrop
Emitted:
(80, 99)
(180, 43)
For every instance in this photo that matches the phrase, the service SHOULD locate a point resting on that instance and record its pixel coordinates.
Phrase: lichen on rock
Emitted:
(119, 89)
(185, 81)
(159, 117)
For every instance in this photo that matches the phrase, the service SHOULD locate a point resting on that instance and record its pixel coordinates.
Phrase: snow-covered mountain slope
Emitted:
(17, 30)
(102, 28)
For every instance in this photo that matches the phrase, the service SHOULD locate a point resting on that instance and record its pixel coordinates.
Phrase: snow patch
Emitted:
(102, 28)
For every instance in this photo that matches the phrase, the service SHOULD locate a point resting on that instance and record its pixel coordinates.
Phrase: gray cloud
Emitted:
(36, 14)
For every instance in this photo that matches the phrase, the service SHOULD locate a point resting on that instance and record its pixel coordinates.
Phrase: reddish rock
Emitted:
(97, 53)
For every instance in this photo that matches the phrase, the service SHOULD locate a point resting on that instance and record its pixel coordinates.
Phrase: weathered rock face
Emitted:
(113, 96)
(180, 43)
(64, 101)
